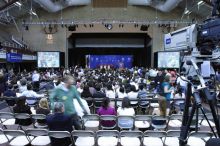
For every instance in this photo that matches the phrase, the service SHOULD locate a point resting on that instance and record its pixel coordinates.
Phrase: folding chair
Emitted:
(60, 137)
(11, 101)
(125, 122)
(19, 137)
(38, 137)
(83, 138)
(25, 119)
(107, 137)
(154, 138)
(7, 119)
(3, 138)
(36, 118)
(108, 119)
(131, 138)
(172, 138)
(204, 122)
(175, 121)
(142, 121)
(91, 121)
(199, 138)
(159, 118)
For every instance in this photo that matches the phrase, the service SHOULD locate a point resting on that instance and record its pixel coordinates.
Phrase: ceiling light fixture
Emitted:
(18, 4)
(109, 26)
(200, 3)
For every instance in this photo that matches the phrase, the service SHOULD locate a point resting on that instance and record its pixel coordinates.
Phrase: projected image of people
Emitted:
(48, 59)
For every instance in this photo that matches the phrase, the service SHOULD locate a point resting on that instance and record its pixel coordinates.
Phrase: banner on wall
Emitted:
(14, 57)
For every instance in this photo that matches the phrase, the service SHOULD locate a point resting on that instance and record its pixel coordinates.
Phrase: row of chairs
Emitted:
(93, 120)
(140, 121)
(41, 137)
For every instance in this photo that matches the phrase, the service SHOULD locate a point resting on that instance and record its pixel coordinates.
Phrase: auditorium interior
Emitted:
(109, 72)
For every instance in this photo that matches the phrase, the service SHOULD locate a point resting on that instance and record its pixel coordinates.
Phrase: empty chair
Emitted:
(108, 121)
(3, 138)
(84, 138)
(125, 122)
(172, 138)
(22, 119)
(60, 138)
(7, 119)
(38, 120)
(38, 137)
(19, 137)
(175, 120)
(142, 121)
(91, 121)
(159, 122)
(154, 138)
(204, 122)
(107, 137)
(199, 138)
(131, 138)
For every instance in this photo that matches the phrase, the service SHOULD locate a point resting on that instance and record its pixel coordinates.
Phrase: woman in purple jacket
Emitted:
(106, 109)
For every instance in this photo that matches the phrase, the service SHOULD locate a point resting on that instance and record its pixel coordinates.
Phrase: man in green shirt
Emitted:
(65, 93)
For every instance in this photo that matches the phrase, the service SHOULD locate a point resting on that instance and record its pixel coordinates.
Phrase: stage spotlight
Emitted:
(144, 27)
(72, 28)
(109, 26)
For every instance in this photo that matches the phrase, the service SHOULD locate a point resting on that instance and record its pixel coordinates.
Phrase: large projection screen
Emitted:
(48, 59)
(168, 60)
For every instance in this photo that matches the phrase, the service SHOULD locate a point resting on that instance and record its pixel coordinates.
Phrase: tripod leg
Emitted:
(197, 119)
(212, 107)
(185, 129)
(203, 112)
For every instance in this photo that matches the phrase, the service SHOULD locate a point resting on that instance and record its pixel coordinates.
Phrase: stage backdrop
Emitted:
(115, 61)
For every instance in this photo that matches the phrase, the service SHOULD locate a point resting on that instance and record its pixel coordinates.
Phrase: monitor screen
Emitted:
(168, 59)
(48, 59)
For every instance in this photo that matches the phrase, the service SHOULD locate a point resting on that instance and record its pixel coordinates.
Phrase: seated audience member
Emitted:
(126, 110)
(43, 109)
(10, 93)
(22, 85)
(121, 94)
(109, 92)
(161, 112)
(86, 93)
(98, 94)
(79, 109)
(142, 95)
(21, 107)
(59, 122)
(31, 94)
(179, 104)
(133, 94)
(106, 109)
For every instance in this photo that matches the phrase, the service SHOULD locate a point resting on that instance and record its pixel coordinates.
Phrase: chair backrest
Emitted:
(173, 133)
(156, 117)
(107, 133)
(14, 133)
(176, 117)
(143, 118)
(6, 115)
(97, 102)
(83, 133)
(125, 122)
(92, 117)
(108, 118)
(138, 134)
(22, 116)
(155, 134)
(38, 116)
(37, 132)
(59, 134)
(201, 134)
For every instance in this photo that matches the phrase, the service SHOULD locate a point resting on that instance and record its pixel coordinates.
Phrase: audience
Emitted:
(133, 94)
(59, 121)
(31, 94)
(43, 109)
(21, 107)
(142, 95)
(106, 109)
(86, 93)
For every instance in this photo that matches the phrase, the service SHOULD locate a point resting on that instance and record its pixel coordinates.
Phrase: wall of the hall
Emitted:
(36, 37)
